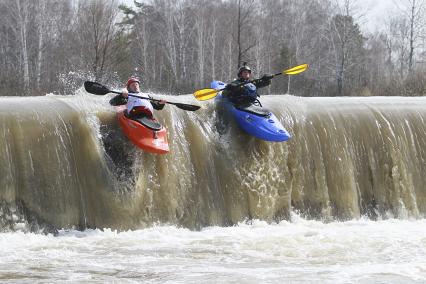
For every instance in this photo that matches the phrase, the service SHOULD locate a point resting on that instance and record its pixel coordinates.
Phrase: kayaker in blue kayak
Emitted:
(242, 94)
(136, 107)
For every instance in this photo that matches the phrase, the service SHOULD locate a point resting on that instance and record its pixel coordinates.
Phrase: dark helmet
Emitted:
(243, 68)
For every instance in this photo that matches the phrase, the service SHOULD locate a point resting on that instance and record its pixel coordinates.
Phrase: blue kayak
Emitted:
(255, 120)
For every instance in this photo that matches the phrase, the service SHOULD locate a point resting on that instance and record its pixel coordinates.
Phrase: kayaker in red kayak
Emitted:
(247, 93)
(137, 106)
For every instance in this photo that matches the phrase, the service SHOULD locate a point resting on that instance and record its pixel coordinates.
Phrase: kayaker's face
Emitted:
(245, 74)
(134, 87)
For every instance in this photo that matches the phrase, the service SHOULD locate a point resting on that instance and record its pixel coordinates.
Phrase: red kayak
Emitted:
(146, 133)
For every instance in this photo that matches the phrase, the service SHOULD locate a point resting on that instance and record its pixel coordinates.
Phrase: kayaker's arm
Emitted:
(125, 93)
(237, 85)
(263, 81)
(118, 100)
(233, 89)
(157, 104)
(234, 86)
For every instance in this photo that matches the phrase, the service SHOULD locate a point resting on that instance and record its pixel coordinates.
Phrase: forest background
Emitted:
(178, 46)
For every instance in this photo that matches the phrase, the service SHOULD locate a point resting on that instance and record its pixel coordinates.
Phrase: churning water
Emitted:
(300, 251)
(357, 164)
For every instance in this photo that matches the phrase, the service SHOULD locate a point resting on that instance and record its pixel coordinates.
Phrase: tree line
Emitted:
(178, 46)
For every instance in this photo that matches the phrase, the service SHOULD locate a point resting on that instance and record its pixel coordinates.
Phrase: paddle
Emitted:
(207, 94)
(99, 89)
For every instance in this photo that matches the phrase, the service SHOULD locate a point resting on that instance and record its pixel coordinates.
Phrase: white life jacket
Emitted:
(133, 102)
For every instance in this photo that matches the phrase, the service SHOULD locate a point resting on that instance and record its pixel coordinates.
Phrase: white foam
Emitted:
(302, 250)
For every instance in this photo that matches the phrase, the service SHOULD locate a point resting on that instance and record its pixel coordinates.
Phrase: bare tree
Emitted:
(19, 23)
(413, 12)
(347, 41)
(244, 39)
(181, 45)
(97, 31)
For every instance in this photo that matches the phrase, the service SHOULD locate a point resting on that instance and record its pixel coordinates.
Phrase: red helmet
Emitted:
(132, 80)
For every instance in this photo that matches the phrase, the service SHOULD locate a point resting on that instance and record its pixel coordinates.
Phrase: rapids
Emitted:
(64, 164)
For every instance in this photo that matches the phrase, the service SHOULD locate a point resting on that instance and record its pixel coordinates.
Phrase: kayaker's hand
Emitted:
(125, 93)
(267, 77)
(231, 86)
(162, 102)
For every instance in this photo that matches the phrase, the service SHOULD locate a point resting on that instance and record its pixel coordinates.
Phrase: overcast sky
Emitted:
(375, 12)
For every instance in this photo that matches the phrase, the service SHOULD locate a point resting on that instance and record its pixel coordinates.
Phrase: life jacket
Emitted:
(250, 91)
(140, 104)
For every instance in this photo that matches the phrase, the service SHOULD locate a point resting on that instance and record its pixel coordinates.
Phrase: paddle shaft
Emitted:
(180, 105)
(251, 81)
(207, 94)
(136, 96)
(187, 107)
(247, 82)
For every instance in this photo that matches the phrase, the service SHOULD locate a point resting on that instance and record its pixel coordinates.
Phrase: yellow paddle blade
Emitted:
(296, 70)
(205, 94)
